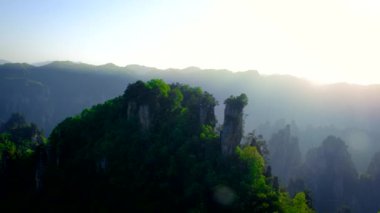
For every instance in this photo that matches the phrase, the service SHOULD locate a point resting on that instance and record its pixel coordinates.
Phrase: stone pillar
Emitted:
(233, 123)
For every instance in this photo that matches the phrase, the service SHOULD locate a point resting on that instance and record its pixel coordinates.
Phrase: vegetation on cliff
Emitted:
(21, 147)
(156, 149)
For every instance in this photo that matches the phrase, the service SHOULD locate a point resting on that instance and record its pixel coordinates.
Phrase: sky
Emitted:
(325, 41)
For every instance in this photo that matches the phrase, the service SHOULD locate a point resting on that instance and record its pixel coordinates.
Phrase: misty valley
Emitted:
(79, 137)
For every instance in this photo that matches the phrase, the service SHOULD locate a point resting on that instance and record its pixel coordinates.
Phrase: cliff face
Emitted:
(40, 170)
(144, 117)
(131, 109)
(285, 155)
(142, 112)
(232, 129)
(233, 123)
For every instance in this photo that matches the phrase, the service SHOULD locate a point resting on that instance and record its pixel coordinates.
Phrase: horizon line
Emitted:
(311, 81)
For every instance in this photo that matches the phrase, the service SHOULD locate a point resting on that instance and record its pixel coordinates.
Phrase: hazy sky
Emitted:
(323, 40)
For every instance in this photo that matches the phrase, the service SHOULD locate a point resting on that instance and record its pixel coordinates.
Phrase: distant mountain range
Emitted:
(2, 61)
(49, 93)
(42, 63)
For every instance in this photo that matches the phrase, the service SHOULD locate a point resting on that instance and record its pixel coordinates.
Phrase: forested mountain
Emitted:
(154, 148)
(49, 93)
(302, 154)
(22, 157)
(331, 176)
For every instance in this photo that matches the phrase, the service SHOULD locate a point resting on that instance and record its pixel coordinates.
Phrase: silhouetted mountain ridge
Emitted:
(2, 61)
(64, 88)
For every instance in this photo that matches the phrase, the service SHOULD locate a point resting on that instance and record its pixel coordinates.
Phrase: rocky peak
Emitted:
(285, 154)
(233, 123)
(330, 174)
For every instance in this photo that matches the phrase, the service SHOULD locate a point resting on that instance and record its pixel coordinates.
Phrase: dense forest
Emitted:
(155, 148)
(319, 143)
